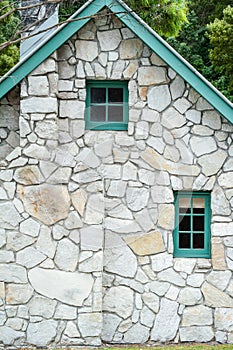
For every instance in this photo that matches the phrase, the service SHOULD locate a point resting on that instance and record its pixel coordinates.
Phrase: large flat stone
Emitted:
(159, 98)
(9, 216)
(13, 273)
(47, 129)
(171, 119)
(71, 288)
(121, 225)
(8, 335)
(110, 324)
(196, 334)
(214, 297)
(79, 200)
(86, 50)
(40, 306)
(138, 334)
(137, 198)
(29, 257)
(147, 244)
(118, 257)
(131, 49)
(109, 40)
(92, 237)
(202, 145)
(18, 293)
(224, 319)
(171, 276)
(39, 105)
(73, 109)
(47, 203)
(190, 296)
(95, 209)
(199, 315)
(67, 254)
(90, 324)
(119, 300)
(41, 333)
(151, 76)
(157, 161)
(166, 322)
(28, 175)
(213, 162)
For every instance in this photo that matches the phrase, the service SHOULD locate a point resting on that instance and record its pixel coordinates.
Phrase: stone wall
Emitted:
(87, 217)
(9, 123)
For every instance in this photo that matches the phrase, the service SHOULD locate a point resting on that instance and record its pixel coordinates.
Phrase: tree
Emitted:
(220, 33)
(194, 45)
(166, 17)
(10, 55)
(208, 10)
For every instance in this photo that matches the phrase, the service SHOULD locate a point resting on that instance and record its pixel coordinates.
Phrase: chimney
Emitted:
(35, 19)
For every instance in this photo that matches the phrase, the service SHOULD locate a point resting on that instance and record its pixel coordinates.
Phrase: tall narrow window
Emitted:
(192, 225)
(107, 105)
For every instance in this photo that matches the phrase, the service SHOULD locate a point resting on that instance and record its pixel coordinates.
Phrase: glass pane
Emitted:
(198, 241)
(198, 223)
(198, 211)
(98, 95)
(184, 205)
(115, 95)
(184, 224)
(184, 240)
(115, 113)
(199, 203)
(98, 113)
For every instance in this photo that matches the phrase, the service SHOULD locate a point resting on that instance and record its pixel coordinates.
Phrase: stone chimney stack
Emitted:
(35, 19)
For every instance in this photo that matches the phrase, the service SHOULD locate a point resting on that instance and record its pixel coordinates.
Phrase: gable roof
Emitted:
(58, 37)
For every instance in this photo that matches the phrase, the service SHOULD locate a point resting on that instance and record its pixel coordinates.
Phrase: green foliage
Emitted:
(165, 16)
(208, 10)
(220, 33)
(67, 8)
(194, 45)
(9, 56)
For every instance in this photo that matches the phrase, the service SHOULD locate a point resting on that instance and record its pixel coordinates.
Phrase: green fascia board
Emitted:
(143, 31)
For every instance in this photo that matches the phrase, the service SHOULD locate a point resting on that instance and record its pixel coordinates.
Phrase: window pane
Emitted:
(115, 113)
(198, 223)
(198, 241)
(199, 203)
(115, 95)
(184, 205)
(198, 211)
(184, 224)
(98, 95)
(98, 113)
(184, 240)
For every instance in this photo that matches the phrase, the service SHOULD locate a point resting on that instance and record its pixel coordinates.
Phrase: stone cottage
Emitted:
(116, 198)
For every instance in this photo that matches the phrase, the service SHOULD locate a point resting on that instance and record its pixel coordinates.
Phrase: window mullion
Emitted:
(106, 102)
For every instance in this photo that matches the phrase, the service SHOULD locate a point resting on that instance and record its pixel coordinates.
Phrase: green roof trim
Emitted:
(144, 32)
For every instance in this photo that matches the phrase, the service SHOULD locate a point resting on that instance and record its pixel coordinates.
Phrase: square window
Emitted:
(192, 225)
(107, 105)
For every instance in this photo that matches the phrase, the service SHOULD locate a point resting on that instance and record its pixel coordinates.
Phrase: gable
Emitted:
(145, 33)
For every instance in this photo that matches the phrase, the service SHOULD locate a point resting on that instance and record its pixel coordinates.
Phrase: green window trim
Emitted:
(191, 235)
(106, 123)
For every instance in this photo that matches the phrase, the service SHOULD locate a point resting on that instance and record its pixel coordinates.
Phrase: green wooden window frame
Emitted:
(192, 225)
(109, 110)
